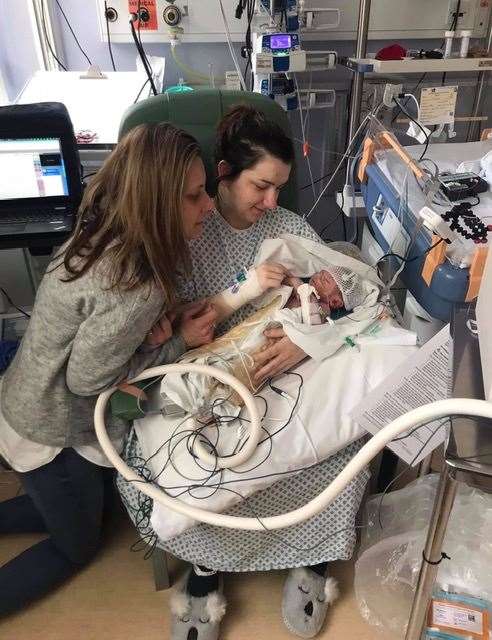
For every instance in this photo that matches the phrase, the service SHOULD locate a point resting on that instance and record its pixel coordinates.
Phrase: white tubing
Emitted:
(427, 413)
(231, 48)
(215, 461)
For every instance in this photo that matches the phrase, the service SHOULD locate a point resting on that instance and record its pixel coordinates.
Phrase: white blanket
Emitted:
(319, 428)
(307, 423)
(302, 257)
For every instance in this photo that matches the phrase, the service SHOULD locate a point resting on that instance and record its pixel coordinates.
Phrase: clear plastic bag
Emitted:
(388, 565)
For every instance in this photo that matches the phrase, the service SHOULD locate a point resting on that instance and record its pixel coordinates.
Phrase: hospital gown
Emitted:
(219, 254)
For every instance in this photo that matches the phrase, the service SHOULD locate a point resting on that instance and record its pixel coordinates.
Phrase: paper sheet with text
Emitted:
(438, 105)
(425, 377)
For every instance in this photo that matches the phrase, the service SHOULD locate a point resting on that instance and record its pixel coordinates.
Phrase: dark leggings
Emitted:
(65, 498)
(203, 581)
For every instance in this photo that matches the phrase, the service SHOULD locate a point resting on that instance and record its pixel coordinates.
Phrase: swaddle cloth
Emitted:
(234, 351)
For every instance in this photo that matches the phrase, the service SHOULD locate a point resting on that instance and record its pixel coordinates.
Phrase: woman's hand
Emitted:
(197, 324)
(279, 355)
(161, 331)
(271, 275)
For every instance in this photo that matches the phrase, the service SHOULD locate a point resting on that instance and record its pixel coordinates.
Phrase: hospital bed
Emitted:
(393, 197)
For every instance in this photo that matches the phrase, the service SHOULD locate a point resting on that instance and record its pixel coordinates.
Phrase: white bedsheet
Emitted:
(320, 427)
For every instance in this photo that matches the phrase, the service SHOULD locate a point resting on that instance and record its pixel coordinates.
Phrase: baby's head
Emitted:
(338, 287)
(330, 296)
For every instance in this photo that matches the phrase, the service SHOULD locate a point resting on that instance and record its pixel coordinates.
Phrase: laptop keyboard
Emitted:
(32, 216)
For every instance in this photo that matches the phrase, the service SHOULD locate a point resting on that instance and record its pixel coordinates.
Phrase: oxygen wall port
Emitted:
(111, 14)
(144, 14)
(172, 15)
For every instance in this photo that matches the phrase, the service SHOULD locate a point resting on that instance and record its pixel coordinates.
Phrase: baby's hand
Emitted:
(271, 275)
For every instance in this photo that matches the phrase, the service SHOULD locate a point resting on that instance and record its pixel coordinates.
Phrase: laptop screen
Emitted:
(31, 168)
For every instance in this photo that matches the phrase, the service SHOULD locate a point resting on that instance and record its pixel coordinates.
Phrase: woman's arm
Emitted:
(268, 275)
(105, 348)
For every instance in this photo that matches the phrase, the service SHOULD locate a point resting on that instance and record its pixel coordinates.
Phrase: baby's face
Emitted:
(327, 289)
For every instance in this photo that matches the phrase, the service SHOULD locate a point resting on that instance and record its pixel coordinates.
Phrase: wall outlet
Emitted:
(391, 91)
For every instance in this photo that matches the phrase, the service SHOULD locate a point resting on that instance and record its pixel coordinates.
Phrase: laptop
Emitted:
(35, 191)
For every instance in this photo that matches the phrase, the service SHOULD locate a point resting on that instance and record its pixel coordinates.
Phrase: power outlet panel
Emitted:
(200, 20)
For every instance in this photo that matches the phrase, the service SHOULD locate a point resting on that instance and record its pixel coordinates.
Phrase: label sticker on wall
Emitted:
(150, 8)
(438, 105)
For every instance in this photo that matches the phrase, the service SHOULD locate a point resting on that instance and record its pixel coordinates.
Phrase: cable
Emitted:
(72, 32)
(421, 415)
(344, 225)
(109, 36)
(9, 300)
(249, 5)
(143, 57)
(412, 91)
(309, 184)
(303, 132)
(140, 92)
(345, 156)
(231, 49)
(43, 20)
(407, 260)
(427, 137)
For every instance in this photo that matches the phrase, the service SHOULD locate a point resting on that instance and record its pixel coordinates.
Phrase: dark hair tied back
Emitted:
(245, 136)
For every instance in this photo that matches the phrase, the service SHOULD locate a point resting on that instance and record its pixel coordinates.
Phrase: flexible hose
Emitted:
(424, 414)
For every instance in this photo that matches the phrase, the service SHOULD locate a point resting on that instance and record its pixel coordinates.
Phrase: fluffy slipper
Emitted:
(305, 601)
(195, 618)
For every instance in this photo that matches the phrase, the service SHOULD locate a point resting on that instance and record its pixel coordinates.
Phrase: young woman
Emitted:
(254, 159)
(91, 327)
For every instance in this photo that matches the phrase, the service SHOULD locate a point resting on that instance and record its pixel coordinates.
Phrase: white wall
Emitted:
(18, 59)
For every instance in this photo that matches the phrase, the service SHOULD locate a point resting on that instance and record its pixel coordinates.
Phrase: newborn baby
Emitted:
(336, 288)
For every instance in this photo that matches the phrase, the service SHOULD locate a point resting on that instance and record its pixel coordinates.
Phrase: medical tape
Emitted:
(246, 287)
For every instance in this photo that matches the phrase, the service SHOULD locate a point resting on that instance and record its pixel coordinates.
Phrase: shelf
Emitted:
(445, 65)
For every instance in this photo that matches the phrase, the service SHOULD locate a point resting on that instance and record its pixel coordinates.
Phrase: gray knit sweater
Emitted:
(82, 339)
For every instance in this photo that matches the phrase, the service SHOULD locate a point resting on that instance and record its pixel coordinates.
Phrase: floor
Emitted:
(115, 598)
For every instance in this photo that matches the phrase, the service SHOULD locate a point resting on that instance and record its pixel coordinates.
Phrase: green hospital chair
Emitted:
(199, 112)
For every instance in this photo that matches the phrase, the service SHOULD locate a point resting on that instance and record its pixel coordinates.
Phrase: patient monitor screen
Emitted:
(31, 168)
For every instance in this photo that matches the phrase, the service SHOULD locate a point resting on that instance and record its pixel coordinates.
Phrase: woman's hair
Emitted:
(131, 212)
(245, 136)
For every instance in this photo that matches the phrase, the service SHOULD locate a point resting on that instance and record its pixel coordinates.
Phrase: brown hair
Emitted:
(245, 136)
(131, 211)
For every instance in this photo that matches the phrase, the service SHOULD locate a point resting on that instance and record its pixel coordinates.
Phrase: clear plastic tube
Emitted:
(448, 48)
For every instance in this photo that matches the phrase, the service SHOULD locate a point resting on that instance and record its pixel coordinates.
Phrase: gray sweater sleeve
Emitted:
(105, 350)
